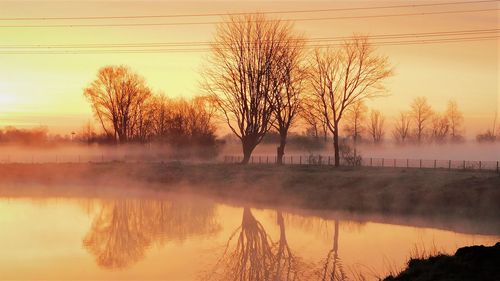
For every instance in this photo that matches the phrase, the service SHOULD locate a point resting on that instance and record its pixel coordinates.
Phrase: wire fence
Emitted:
(321, 160)
(326, 160)
(83, 158)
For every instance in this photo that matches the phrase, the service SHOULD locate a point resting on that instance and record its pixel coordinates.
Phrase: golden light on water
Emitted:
(33, 248)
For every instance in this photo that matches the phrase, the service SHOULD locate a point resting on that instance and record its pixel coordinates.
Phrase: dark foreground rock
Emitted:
(469, 263)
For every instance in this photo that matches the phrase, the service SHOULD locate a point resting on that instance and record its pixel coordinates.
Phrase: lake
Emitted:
(182, 237)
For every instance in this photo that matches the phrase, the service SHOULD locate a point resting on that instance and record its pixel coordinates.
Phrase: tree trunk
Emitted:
(248, 147)
(281, 149)
(336, 146)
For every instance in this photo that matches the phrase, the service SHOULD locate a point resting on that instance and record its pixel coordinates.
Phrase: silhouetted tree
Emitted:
(314, 119)
(421, 114)
(440, 128)
(401, 130)
(118, 96)
(376, 126)
(243, 71)
(345, 76)
(355, 117)
(291, 82)
(455, 118)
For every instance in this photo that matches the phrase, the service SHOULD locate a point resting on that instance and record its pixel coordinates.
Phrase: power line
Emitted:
(207, 43)
(244, 13)
(196, 50)
(221, 22)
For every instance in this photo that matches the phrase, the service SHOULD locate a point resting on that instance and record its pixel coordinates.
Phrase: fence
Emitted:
(82, 158)
(373, 162)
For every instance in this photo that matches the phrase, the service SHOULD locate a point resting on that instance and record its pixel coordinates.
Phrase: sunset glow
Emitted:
(44, 85)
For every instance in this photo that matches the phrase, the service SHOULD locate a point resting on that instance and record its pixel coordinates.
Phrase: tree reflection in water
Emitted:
(332, 267)
(123, 229)
(251, 255)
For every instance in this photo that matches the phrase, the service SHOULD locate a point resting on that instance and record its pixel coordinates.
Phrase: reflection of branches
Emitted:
(116, 237)
(251, 255)
(332, 267)
(286, 265)
(124, 229)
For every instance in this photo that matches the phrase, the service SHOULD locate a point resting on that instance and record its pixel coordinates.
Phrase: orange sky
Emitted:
(47, 89)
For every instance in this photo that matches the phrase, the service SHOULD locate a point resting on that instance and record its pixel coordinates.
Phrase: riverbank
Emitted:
(436, 192)
(468, 263)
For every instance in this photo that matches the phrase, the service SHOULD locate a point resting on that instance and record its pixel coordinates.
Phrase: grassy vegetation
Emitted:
(363, 190)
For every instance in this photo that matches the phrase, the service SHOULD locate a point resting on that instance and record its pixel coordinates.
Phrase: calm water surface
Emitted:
(181, 238)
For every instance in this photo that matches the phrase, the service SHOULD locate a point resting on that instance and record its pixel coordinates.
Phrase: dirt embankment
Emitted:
(465, 194)
(468, 263)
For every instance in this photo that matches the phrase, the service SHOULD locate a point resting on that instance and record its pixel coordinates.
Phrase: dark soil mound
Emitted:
(469, 263)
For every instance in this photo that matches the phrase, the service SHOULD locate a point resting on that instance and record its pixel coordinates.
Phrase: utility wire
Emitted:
(188, 50)
(207, 43)
(222, 22)
(244, 13)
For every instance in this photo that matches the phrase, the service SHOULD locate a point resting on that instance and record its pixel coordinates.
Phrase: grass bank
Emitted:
(464, 194)
(468, 263)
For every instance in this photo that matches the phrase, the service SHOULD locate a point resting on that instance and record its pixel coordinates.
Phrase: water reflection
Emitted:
(250, 254)
(332, 267)
(184, 238)
(123, 229)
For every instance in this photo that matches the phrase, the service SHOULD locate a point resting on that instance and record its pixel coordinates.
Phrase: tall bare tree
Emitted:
(456, 119)
(345, 76)
(376, 126)
(242, 74)
(311, 114)
(401, 131)
(291, 81)
(117, 97)
(440, 127)
(355, 117)
(421, 114)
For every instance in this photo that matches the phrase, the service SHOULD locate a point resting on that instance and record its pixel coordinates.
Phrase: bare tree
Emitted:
(376, 126)
(421, 114)
(401, 131)
(345, 76)
(291, 83)
(117, 97)
(355, 117)
(456, 119)
(311, 114)
(242, 74)
(440, 128)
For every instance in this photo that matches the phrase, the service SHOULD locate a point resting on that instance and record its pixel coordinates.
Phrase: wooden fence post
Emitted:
(435, 163)
(407, 163)
(371, 162)
(420, 163)
(464, 164)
